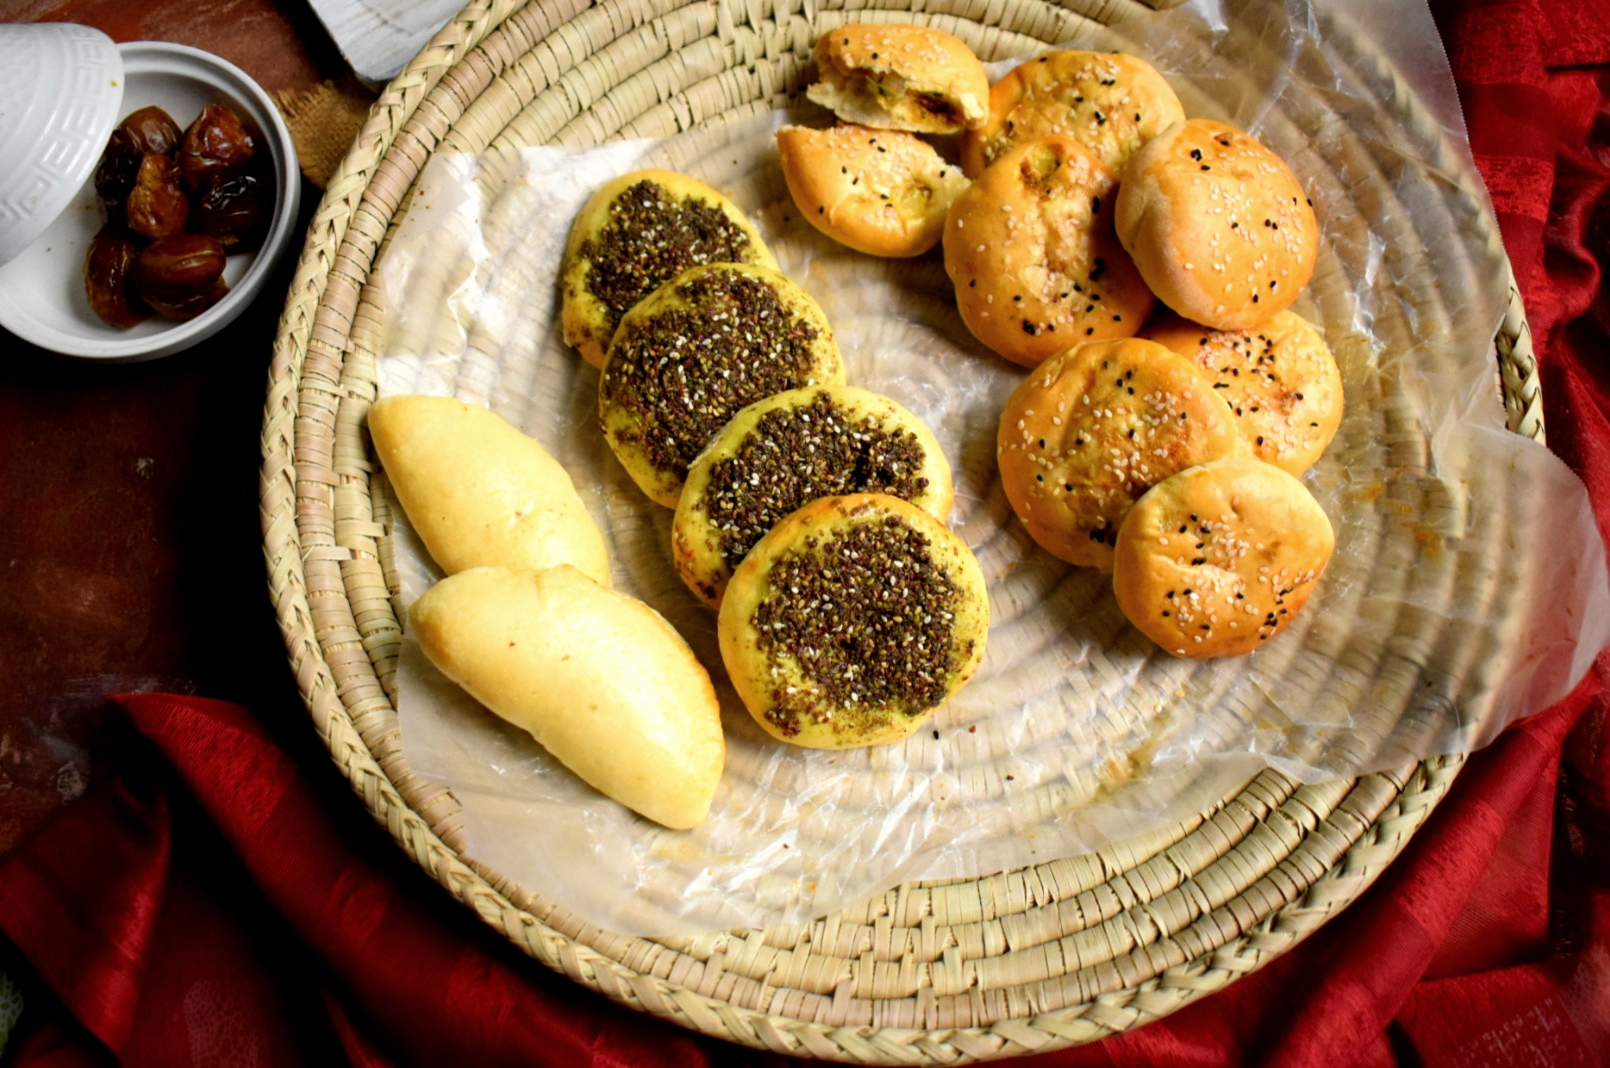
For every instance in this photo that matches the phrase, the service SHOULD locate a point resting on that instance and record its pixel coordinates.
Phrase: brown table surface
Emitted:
(130, 549)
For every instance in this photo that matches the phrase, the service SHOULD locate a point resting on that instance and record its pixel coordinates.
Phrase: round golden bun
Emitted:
(635, 234)
(781, 453)
(689, 356)
(1219, 558)
(1031, 250)
(851, 621)
(1109, 102)
(1086, 433)
(900, 77)
(881, 192)
(601, 680)
(1218, 225)
(478, 492)
(1280, 379)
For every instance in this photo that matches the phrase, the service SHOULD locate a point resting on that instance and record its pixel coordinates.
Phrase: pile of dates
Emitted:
(176, 205)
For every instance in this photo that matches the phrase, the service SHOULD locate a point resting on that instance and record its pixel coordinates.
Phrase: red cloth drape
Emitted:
(202, 906)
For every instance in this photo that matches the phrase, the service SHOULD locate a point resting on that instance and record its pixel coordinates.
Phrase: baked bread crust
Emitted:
(882, 192)
(611, 261)
(1280, 379)
(479, 492)
(1110, 102)
(1218, 559)
(1031, 250)
(852, 621)
(1086, 433)
(601, 680)
(779, 454)
(685, 360)
(900, 77)
(1218, 225)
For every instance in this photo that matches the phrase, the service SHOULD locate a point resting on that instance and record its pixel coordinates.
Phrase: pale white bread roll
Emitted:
(881, 192)
(479, 492)
(636, 233)
(1217, 224)
(1218, 559)
(601, 680)
(1109, 102)
(900, 77)
(852, 621)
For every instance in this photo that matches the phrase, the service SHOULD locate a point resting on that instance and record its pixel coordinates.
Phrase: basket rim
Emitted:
(1404, 798)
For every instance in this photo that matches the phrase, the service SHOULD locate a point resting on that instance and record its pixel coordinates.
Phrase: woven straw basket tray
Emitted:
(972, 969)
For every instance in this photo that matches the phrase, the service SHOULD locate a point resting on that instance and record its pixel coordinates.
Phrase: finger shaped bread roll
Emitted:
(779, 454)
(1109, 102)
(637, 233)
(599, 679)
(1086, 433)
(1031, 250)
(1279, 378)
(851, 621)
(695, 351)
(913, 78)
(479, 492)
(1218, 225)
(881, 192)
(1218, 559)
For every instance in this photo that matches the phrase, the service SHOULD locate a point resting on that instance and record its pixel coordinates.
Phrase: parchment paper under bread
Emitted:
(1469, 586)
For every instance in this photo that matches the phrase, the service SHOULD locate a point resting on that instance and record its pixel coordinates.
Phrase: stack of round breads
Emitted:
(1142, 264)
(722, 393)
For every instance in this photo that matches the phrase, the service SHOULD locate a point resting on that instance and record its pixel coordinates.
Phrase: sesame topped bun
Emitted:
(1218, 559)
(635, 234)
(882, 192)
(914, 78)
(1088, 432)
(1218, 225)
(1109, 102)
(1031, 249)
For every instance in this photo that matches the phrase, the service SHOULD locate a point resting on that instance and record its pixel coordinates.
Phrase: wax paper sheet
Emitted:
(1468, 589)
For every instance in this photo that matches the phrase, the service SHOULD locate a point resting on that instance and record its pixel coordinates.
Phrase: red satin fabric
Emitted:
(203, 907)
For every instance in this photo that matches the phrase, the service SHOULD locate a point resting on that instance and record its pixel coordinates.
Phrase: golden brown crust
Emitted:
(601, 680)
(851, 621)
(1218, 225)
(685, 359)
(1032, 252)
(781, 453)
(1218, 559)
(1086, 433)
(1110, 102)
(478, 492)
(1279, 378)
(900, 77)
(881, 192)
(610, 263)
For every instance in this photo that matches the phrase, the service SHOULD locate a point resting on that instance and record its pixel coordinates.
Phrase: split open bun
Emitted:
(636, 233)
(779, 454)
(852, 621)
(900, 77)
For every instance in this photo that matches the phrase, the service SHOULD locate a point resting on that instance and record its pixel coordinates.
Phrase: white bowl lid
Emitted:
(61, 90)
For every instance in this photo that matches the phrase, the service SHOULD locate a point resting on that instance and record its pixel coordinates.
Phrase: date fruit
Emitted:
(181, 276)
(215, 147)
(157, 205)
(148, 131)
(233, 211)
(108, 279)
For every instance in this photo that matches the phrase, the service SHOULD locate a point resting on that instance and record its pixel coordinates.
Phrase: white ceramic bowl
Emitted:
(42, 296)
